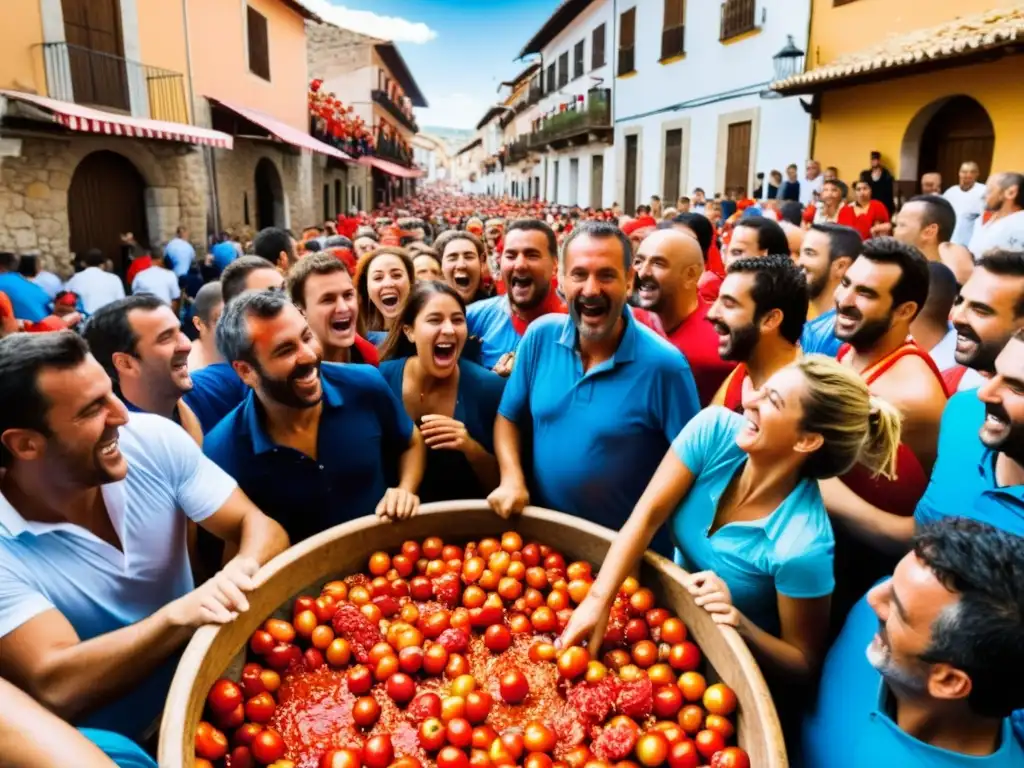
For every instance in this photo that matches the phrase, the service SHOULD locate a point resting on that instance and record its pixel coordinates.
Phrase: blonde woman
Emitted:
(740, 495)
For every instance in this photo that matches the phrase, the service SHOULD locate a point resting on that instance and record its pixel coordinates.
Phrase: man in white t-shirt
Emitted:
(968, 200)
(1005, 226)
(94, 285)
(96, 589)
(810, 187)
(158, 281)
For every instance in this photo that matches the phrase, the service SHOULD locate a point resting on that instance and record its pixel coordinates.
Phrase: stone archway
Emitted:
(943, 135)
(270, 202)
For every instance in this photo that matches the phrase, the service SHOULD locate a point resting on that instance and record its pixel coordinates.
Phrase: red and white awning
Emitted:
(394, 169)
(283, 131)
(76, 117)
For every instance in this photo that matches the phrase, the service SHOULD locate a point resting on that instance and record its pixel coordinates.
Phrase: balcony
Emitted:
(380, 98)
(388, 149)
(536, 94)
(97, 79)
(738, 18)
(518, 150)
(573, 127)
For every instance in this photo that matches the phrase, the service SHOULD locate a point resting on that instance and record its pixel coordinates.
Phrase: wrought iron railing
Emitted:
(594, 114)
(518, 150)
(738, 17)
(381, 97)
(95, 78)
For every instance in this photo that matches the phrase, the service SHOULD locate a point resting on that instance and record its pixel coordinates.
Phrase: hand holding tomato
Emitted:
(219, 600)
(712, 594)
(398, 504)
(589, 621)
(442, 433)
(509, 498)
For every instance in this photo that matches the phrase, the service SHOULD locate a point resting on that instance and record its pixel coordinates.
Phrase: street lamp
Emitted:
(786, 63)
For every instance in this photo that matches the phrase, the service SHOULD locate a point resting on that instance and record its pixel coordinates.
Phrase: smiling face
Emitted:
(743, 245)
(462, 268)
(864, 310)
(332, 307)
(527, 267)
(287, 355)
(774, 415)
(160, 362)
(1003, 395)
(815, 263)
(439, 333)
(733, 316)
(985, 317)
(596, 285)
(388, 285)
(426, 267)
(910, 227)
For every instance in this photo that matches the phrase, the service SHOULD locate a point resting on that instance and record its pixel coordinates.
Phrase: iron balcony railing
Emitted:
(595, 114)
(381, 98)
(95, 78)
(389, 149)
(738, 17)
(518, 150)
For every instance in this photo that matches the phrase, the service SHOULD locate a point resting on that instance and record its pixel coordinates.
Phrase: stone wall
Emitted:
(332, 51)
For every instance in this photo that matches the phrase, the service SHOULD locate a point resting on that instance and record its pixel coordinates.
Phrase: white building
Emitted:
(574, 133)
(689, 110)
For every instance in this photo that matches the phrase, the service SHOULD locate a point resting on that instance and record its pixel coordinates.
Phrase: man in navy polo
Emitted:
(601, 396)
(930, 663)
(313, 444)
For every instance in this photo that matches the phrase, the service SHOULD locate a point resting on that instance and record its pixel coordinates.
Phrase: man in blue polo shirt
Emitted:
(930, 663)
(602, 396)
(528, 264)
(313, 444)
(31, 303)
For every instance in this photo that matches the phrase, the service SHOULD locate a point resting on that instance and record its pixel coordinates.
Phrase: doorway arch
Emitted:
(945, 134)
(270, 210)
(106, 199)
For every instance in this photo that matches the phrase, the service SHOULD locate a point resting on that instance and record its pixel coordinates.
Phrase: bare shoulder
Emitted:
(912, 386)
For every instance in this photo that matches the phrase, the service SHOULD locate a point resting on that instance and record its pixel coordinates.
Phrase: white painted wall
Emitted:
(563, 194)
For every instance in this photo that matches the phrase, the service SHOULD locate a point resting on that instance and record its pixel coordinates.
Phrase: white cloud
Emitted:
(369, 23)
(454, 110)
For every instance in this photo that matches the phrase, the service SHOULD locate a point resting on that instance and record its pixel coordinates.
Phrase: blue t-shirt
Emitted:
(963, 481)
(376, 337)
(597, 437)
(30, 302)
(449, 474)
(819, 337)
(216, 391)
(123, 751)
(789, 552)
(362, 425)
(490, 321)
(851, 725)
(223, 253)
(181, 254)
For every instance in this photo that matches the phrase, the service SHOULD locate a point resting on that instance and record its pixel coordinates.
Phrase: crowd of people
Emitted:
(817, 411)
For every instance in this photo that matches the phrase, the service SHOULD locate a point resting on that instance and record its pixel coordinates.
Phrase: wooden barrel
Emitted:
(215, 652)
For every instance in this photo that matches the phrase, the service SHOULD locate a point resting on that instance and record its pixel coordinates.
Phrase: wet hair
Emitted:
(270, 242)
(856, 427)
(942, 292)
(370, 317)
(535, 225)
(459, 234)
(842, 240)
(1005, 263)
(208, 297)
(913, 281)
(937, 210)
(317, 264)
(232, 279)
(600, 230)
(397, 345)
(700, 225)
(982, 633)
(770, 236)
(23, 357)
(778, 284)
(109, 330)
(234, 341)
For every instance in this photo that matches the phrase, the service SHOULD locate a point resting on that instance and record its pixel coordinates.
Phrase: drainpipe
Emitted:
(188, 63)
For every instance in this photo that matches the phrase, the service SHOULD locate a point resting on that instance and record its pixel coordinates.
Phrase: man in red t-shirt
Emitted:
(668, 267)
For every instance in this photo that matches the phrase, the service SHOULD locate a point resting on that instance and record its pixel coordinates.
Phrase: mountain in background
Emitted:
(454, 138)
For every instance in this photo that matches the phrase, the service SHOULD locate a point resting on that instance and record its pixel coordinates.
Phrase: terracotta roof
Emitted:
(949, 41)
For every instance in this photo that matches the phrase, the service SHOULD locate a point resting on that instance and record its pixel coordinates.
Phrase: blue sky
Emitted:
(458, 50)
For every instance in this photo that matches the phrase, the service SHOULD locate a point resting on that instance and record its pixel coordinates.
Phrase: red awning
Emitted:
(283, 131)
(75, 117)
(391, 168)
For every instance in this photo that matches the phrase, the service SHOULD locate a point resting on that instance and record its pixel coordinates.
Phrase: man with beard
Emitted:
(1002, 225)
(139, 342)
(321, 287)
(313, 444)
(944, 662)
(758, 317)
(528, 264)
(96, 591)
(827, 252)
(668, 267)
(927, 222)
(600, 398)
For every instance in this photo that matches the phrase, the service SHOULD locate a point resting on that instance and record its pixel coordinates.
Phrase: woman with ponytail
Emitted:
(740, 495)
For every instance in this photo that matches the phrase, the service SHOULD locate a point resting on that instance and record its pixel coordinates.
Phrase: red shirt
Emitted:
(708, 286)
(875, 214)
(137, 265)
(698, 342)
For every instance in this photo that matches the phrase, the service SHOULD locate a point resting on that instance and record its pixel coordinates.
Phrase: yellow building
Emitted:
(928, 83)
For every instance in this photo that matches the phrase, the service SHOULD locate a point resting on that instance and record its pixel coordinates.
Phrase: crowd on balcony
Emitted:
(336, 123)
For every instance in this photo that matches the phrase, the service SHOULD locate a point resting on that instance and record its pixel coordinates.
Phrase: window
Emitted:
(551, 79)
(597, 49)
(327, 201)
(563, 70)
(259, 48)
(632, 153)
(673, 28)
(673, 164)
(738, 17)
(339, 204)
(627, 40)
(577, 60)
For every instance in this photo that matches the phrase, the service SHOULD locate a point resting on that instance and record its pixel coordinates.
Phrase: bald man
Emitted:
(668, 266)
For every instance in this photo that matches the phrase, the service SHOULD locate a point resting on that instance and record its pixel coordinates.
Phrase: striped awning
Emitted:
(76, 117)
(282, 131)
(392, 169)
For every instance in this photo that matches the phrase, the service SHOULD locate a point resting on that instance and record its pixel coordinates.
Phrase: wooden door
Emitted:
(596, 181)
(95, 51)
(673, 166)
(105, 200)
(632, 150)
(960, 131)
(737, 157)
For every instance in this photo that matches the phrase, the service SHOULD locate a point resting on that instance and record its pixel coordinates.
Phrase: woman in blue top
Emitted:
(741, 497)
(454, 402)
(383, 280)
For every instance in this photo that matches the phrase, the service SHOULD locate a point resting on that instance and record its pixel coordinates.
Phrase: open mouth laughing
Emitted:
(444, 354)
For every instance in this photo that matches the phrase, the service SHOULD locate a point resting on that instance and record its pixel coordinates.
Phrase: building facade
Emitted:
(937, 85)
(690, 81)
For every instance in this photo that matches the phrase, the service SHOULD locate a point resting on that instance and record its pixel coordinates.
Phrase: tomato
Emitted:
(435, 659)
(691, 719)
(635, 631)
(459, 732)
(260, 708)
(538, 760)
(497, 638)
(202, 762)
(211, 744)
(656, 617)
(322, 637)
(652, 749)
(719, 699)
(473, 569)
(671, 731)
(268, 746)
(452, 707)
(730, 757)
(668, 700)
(452, 552)
(409, 638)
(531, 554)
(577, 757)
(325, 607)
(302, 603)
(401, 688)
(537, 737)
(489, 579)
(684, 656)
(244, 735)
(432, 548)
(240, 757)
(617, 659)
(542, 651)
(662, 674)
(473, 596)
(359, 679)
(410, 660)
(339, 652)
(304, 623)
(456, 666)
(554, 561)
(271, 680)
(340, 758)
(283, 655)
(513, 686)
(280, 630)
(478, 706)
(261, 642)
(572, 662)
(313, 658)
(224, 696)
(421, 588)
(451, 757)
(406, 761)
(544, 620)
(499, 562)
(536, 578)
(432, 734)
(251, 683)
(484, 736)
(230, 720)
(641, 601)
(365, 711)
(378, 752)
(709, 742)
(478, 758)
(683, 754)
(409, 613)
(379, 563)
(359, 595)
(433, 624)
(510, 588)
(511, 542)
(513, 743)
(693, 685)
(336, 589)
(629, 586)
(673, 631)
(721, 724)
(426, 705)
(411, 549)
(645, 654)
(519, 623)
(558, 600)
